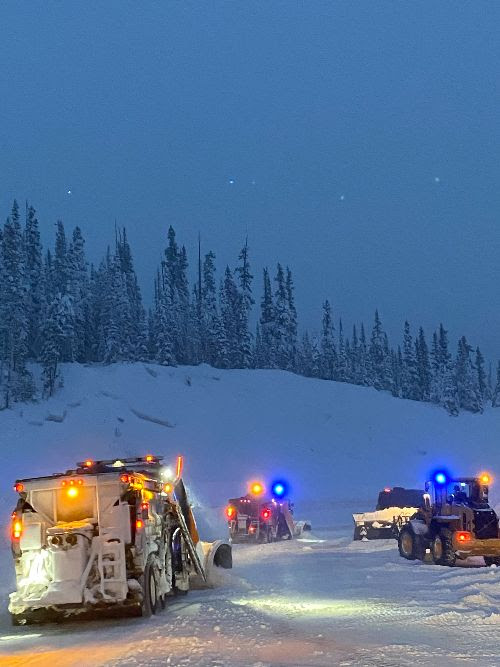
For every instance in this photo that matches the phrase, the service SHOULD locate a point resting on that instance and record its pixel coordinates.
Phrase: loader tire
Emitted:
(150, 600)
(443, 552)
(407, 544)
(492, 560)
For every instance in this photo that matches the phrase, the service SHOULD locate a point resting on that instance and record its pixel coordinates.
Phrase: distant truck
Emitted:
(261, 517)
(113, 534)
(454, 522)
(395, 506)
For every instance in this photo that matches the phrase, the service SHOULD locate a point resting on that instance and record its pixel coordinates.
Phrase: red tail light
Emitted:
(266, 513)
(139, 524)
(230, 512)
(463, 536)
(18, 486)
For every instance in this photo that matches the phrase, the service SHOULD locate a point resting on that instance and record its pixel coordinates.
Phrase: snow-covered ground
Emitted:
(322, 601)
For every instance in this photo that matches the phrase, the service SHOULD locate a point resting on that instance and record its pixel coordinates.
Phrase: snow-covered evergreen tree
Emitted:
(482, 381)
(495, 399)
(16, 382)
(379, 357)
(264, 353)
(35, 279)
(291, 333)
(210, 316)
(469, 397)
(341, 371)
(424, 373)
(282, 353)
(50, 354)
(246, 302)
(409, 385)
(328, 351)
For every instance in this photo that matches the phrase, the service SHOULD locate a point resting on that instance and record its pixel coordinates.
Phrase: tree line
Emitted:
(55, 307)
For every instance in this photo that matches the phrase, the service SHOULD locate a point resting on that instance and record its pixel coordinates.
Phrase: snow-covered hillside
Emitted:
(334, 442)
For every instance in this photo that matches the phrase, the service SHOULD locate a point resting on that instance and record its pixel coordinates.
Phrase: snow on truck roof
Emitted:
(140, 465)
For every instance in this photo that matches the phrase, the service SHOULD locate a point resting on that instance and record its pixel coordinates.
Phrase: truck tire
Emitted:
(492, 560)
(443, 552)
(149, 604)
(407, 544)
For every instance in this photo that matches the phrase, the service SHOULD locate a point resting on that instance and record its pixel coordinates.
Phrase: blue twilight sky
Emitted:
(357, 142)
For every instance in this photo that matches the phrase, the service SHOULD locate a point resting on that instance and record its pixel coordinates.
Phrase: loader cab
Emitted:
(466, 491)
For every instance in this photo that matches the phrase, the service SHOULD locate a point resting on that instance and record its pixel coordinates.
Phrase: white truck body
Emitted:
(105, 535)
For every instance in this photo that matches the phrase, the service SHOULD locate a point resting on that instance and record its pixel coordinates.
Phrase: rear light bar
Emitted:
(149, 458)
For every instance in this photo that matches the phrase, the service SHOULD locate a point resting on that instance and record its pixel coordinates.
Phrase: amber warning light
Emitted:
(256, 488)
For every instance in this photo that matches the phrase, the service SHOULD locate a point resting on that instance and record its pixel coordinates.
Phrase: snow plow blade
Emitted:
(215, 555)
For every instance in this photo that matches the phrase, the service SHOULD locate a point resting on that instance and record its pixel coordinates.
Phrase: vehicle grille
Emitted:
(486, 524)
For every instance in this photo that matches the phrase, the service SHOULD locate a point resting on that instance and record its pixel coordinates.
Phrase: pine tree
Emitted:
(210, 314)
(442, 369)
(328, 352)
(282, 353)
(244, 308)
(410, 387)
(16, 381)
(424, 373)
(341, 370)
(469, 397)
(305, 360)
(78, 293)
(379, 357)
(50, 355)
(362, 362)
(231, 307)
(495, 399)
(291, 333)
(35, 303)
(265, 354)
(481, 376)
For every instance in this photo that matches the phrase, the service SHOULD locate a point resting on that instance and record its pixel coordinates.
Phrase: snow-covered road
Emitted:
(310, 602)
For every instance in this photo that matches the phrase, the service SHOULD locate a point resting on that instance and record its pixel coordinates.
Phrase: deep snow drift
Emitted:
(323, 601)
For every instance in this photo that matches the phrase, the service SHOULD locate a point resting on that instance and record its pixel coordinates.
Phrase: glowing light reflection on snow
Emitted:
(16, 638)
(318, 608)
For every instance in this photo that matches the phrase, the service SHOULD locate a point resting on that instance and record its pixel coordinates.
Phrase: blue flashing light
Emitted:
(279, 489)
(440, 478)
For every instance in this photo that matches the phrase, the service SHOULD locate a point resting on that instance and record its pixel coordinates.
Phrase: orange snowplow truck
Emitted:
(114, 533)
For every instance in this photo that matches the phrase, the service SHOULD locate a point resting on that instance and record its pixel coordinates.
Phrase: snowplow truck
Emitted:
(252, 519)
(455, 521)
(107, 535)
(394, 508)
